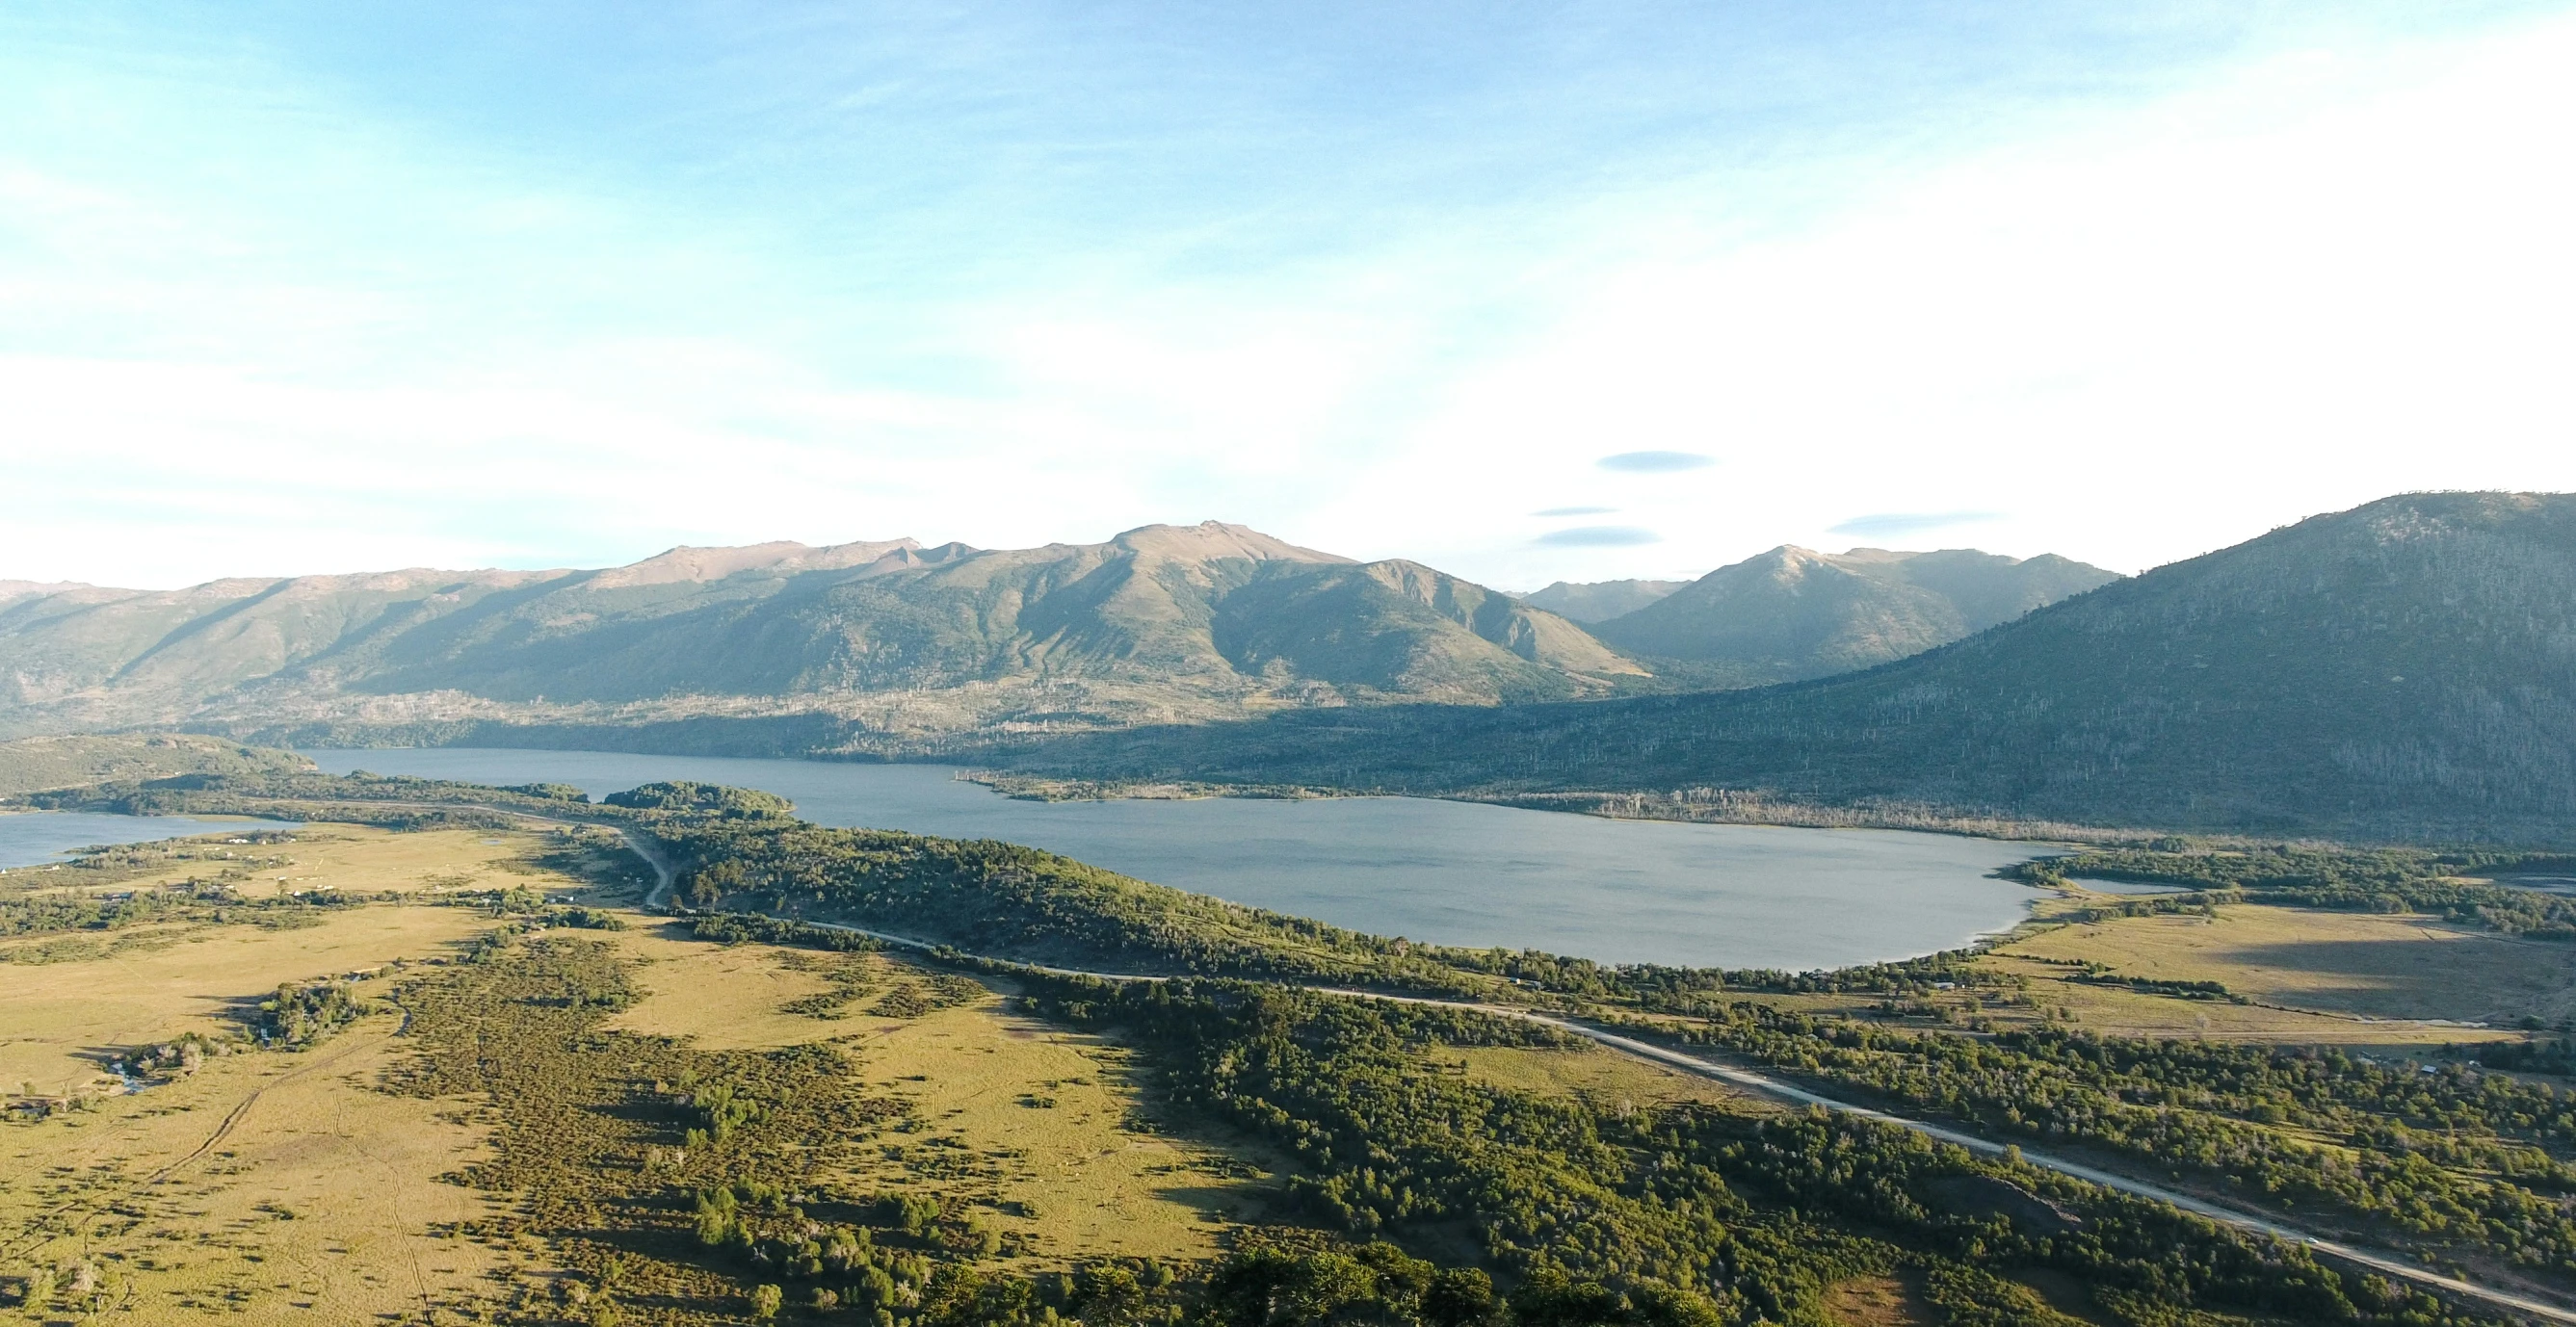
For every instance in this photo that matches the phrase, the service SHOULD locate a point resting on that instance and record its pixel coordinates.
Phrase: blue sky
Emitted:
(290, 288)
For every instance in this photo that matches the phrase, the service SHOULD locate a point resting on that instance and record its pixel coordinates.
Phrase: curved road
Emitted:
(659, 896)
(2388, 1263)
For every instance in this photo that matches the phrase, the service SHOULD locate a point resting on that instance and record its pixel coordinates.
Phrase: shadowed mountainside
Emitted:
(2406, 669)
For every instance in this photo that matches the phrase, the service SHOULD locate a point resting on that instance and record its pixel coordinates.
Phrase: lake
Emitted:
(36, 838)
(2100, 886)
(1445, 872)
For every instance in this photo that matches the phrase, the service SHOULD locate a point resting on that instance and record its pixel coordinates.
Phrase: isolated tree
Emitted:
(1109, 1295)
(1459, 1297)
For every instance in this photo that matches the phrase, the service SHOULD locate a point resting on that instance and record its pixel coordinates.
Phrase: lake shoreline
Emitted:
(25, 846)
(1697, 807)
(1471, 874)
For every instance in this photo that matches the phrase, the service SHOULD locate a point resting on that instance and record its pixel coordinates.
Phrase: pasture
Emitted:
(2346, 966)
(509, 1129)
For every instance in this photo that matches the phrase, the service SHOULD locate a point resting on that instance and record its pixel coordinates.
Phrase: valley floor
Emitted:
(525, 1099)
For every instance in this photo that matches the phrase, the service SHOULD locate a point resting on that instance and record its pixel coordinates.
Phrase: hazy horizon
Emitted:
(932, 542)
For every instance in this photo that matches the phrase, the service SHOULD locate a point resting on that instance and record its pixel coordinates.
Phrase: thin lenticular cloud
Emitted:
(1656, 462)
(1911, 522)
(1575, 511)
(1600, 536)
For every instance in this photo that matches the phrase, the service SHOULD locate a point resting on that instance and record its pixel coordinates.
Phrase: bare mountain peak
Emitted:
(913, 555)
(1208, 541)
(29, 589)
(687, 563)
(399, 583)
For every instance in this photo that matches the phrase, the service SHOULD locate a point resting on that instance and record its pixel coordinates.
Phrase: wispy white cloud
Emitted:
(1599, 536)
(2315, 281)
(259, 311)
(1655, 463)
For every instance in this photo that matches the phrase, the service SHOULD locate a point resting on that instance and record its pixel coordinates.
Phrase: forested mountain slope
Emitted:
(2403, 669)
(1793, 613)
(893, 639)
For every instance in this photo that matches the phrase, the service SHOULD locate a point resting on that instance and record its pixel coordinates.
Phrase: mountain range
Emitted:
(2403, 670)
(891, 647)
(1588, 602)
(890, 640)
(1794, 613)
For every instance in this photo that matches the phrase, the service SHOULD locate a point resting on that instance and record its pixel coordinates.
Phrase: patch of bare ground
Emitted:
(1890, 1300)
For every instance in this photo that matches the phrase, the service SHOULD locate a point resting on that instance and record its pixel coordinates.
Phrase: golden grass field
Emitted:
(363, 858)
(1597, 1076)
(2339, 967)
(154, 982)
(268, 1187)
(1046, 1111)
(59, 1021)
(276, 1186)
(1880, 1301)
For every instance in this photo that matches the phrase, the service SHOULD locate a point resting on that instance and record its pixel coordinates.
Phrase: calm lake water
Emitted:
(39, 837)
(1445, 872)
(2124, 886)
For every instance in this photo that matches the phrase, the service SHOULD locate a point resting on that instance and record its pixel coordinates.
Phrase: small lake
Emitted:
(1445, 872)
(37, 838)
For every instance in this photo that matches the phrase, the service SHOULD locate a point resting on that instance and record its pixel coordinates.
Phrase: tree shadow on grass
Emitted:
(2471, 979)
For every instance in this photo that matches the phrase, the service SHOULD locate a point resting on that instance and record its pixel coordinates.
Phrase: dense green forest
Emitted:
(1679, 1214)
(2472, 1162)
(2448, 884)
(2398, 672)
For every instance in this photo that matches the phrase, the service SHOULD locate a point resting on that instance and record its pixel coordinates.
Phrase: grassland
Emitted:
(507, 1132)
(1882, 1300)
(270, 1187)
(65, 1019)
(2343, 964)
(1598, 1077)
(1071, 1165)
(73, 999)
(2406, 984)
(273, 1184)
(1041, 1132)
